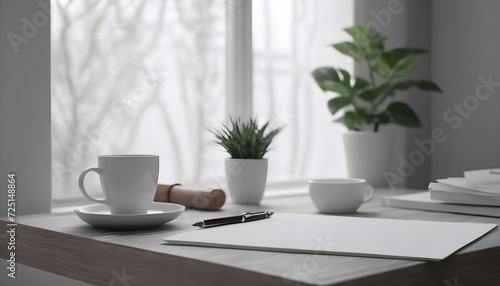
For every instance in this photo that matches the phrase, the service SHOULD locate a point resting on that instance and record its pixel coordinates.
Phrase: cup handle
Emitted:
(82, 187)
(369, 193)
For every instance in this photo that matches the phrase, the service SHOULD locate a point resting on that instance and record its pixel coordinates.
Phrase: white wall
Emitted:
(465, 46)
(25, 122)
(25, 106)
(405, 24)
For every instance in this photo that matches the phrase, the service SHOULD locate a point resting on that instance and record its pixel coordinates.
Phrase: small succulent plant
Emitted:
(245, 140)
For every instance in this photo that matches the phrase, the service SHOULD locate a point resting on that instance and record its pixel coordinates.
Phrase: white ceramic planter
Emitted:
(246, 179)
(368, 156)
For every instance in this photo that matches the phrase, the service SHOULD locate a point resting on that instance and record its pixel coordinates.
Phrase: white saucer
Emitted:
(99, 216)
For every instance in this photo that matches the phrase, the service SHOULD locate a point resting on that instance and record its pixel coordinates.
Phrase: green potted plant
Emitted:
(369, 102)
(246, 169)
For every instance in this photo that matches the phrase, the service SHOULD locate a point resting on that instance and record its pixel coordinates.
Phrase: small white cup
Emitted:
(128, 182)
(339, 196)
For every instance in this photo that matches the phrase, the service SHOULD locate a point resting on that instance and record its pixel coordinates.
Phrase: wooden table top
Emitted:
(65, 245)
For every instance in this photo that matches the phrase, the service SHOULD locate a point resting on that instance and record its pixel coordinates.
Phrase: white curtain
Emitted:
(291, 38)
(147, 76)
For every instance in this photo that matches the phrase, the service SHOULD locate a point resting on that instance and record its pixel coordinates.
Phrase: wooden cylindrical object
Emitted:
(190, 197)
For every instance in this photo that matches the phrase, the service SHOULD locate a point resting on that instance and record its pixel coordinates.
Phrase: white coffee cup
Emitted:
(128, 182)
(339, 196)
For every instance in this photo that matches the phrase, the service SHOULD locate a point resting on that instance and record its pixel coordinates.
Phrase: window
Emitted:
(291, 38)
(149, 77)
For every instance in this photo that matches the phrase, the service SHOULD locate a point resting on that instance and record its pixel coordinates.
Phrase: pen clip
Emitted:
(249, 215)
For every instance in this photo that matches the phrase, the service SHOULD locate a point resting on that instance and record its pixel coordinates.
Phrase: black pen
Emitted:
(244, 217)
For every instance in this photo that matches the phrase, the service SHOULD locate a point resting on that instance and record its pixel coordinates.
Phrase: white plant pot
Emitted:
(368, 156)
(246, 179)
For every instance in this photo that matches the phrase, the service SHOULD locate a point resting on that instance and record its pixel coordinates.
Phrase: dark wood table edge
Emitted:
(67, 256)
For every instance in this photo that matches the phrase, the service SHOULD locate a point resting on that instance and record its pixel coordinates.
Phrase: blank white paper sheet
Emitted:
(337, 235)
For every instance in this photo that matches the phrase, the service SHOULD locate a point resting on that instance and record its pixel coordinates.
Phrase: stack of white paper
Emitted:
(477, 187)
(477, 193)
(422, 201)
